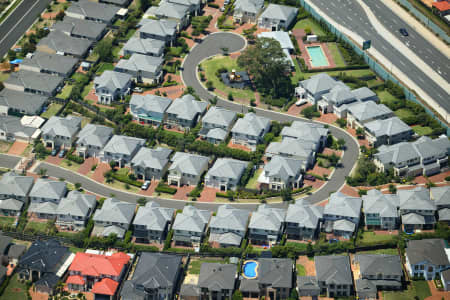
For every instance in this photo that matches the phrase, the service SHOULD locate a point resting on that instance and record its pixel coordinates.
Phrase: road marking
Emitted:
(19, 21)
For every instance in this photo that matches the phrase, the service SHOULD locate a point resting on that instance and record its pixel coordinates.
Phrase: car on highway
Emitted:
(62, 153)
(54, 151)
(145, 185)
(403, 32)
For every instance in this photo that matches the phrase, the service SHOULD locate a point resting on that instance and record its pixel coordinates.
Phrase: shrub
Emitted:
(311, 112)
(210, 86)
(124, 179)
(230, 96)
(214, 5)
(447, 178)
(164, 188)
(341, 122)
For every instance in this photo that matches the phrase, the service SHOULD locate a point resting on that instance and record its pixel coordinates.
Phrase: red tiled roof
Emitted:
(442, 5)
(106, 286)
(96, 265)
(75, 279)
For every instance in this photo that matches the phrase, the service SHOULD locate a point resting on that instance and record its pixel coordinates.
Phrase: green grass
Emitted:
(93, 57)
(115, 51)
(15, 290)
(404, 113)
(336, 54)
(212, 65)
(388, 251)
(305, 23)
(194, 265)
(6, 221)
(422, 130)
(86, 90)
(300, 270)
(65, 93)
(371, 237)
(130, 33)
(417, 288)
(105, 66)
(52, 109)
(123, 171)
(37, 226)
(70, 165)
(386, 97)
(75, 249)
(4, 76)
(253, 181)
(78, 77)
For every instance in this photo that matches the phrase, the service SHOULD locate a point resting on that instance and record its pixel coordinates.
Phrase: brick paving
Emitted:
(208, 194)
(17, 148)
(182, 192)
(328, 151)
(241, 147)
(86, 167)
(151, 188)
(299, 34)
(320, 171)
(361, 142)
(55, 160)
(435, 178)
(172, 92)
(435, 293)
(295, 110)
(327, 118)
(308, 264)
(315, 184)
(349, 190)
(98, 173)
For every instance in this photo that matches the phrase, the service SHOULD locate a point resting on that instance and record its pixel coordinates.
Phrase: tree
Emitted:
(392, 189)
(341, 143)
(42, 172)
(60, 15)
(237, 295)
(142, 201)
(293, 295)
(250, 34)
(77, 186)
(75, 93)
(112, 164)
(104, 50)
(286, 195)
(143, 4)
(11, 54)
(360, 132)
(267, 63)
(341, 122)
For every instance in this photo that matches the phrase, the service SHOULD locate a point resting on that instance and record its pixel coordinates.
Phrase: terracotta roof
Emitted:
(442, 5)
(96, 265)
(106, 286)
(75, 279)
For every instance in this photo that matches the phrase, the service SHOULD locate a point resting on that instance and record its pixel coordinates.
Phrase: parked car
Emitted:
(145, 185)
(62, 153)
(310, 177)
(300, 102)
(137, 90)
(55, 151)
(403, 31)
(222, 8)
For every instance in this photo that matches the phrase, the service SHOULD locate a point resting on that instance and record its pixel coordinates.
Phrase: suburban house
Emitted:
(171, 11)
(334, 275)
(43, 210)
(441, 7)
(120, 3)
(14, 191)
(112, 86)
(156, 276)
(121, 149)
(113, 217)
(440, 196)
(53, 64)
(34, 83)
(381, 210)
(426, 258)
(187, 169)
(189, 227)
(19, 103)
(247, 11)
(276, 17)
(83, 29)
(94, 11)
(445, 279)
(361, 113)
(225, 174)
(228, 227)
(45, 262)
(294, 148)
(310, 132)
(417, 210)
(377, 272)
(12, 129)
(308, 286)
(46, 190)
(143, 68)
(151, 164)
(60, 132)
(91, 140)
(97, 273)
(250, 130)
(58, 42)
(315, 87)
(285, 42)
(387, 132)
(341, 215)
(364, 94)
(152, 222)
(74, 210)
(282, 173)
(217, 281)
(185, 112)
(422, 157)
(216, 124)
(142, 46)
(273, 279)
(163, 30)
(337, 100)
(302, 221)
(149, 109)
(266, 225)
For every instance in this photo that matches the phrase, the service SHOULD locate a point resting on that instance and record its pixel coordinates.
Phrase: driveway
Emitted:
(212, 45)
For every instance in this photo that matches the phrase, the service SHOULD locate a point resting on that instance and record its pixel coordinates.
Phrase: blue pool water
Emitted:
(250, 269)
(318, 58)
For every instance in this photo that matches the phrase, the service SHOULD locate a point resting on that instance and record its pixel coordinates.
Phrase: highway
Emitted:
(351, 15)
(17, 23)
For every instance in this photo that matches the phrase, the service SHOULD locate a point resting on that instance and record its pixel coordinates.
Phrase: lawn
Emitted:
(105, 66)
(422, 130)
(336, 54)
(253, 182)
(301, 270)
(15, 290)
(87, 89)
(418, 289)
(388, 251)
(121, 186)
(4, 146)
(70, 165)
(371, 237)
(93, 57)
(123, 171)
(116, 49)
(130, 33)
(52, 109)
(404, 113)
(37, 226)
(212, 65)
(194, 265)
(65, 93)
(386, 97)
(309, 23)
(6, 221)
(4, 76)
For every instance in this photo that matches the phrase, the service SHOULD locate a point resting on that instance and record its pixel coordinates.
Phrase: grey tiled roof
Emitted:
(152, 158)
(61, 42)
(305, 131)
(217, 134)
(430, 250)
(44, 256)
(169, 10)
(281, 37)
(343, 205)
(11, 204)
(444, 214)
(50, 62)
(333, 269)
(283, 167)
(153, 217)
(441, 195)
(76, 204)
(112, 80)
(189, 163)
(291, 147)
(387, 127)
(141, 62)
(250, 124)
(267, 218)
(187, 107)
(217, 277)
(45, 188)
(279, 12)
(15, 185)
(13, 125)
(94, 135)
(149, 103)
(363, 111)
(114, 210)
(79, 27)
(413, 219)
(275, 272)
(191, 219)
(123, 144)
(374, 264)
(29, 103)
(219, 116)
(66, 127)
(307, 283)
(228, 238)
(94, 10)
(160, 28)
(344, 225)
(321, 82)
(230, 218)
(144, 46)
(304, 214)
(35, 81)
(375, 202)
(363, 93)
(416, 199)
(227, 168)
(340, 94)
(252, 6)
(48, 208)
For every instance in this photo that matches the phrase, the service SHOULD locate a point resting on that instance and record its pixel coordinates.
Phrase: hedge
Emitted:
(214, 5)
(347, 68)
(125, 179)
(75, 158)
(164, 188)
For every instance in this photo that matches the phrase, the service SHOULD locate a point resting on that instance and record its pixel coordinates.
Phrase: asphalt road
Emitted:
(8, 161)
(350, 14)
(18, 22)
(212, 45)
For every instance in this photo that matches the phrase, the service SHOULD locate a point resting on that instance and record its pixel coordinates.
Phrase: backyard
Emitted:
(371, 237)
(417, 289)
(309, 24)
(15, 290)
(253, 181)
(195, 264)
(336, 54)
(52, 109)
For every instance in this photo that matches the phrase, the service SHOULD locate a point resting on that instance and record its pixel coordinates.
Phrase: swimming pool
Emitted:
(250, 269)
(318, 58)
